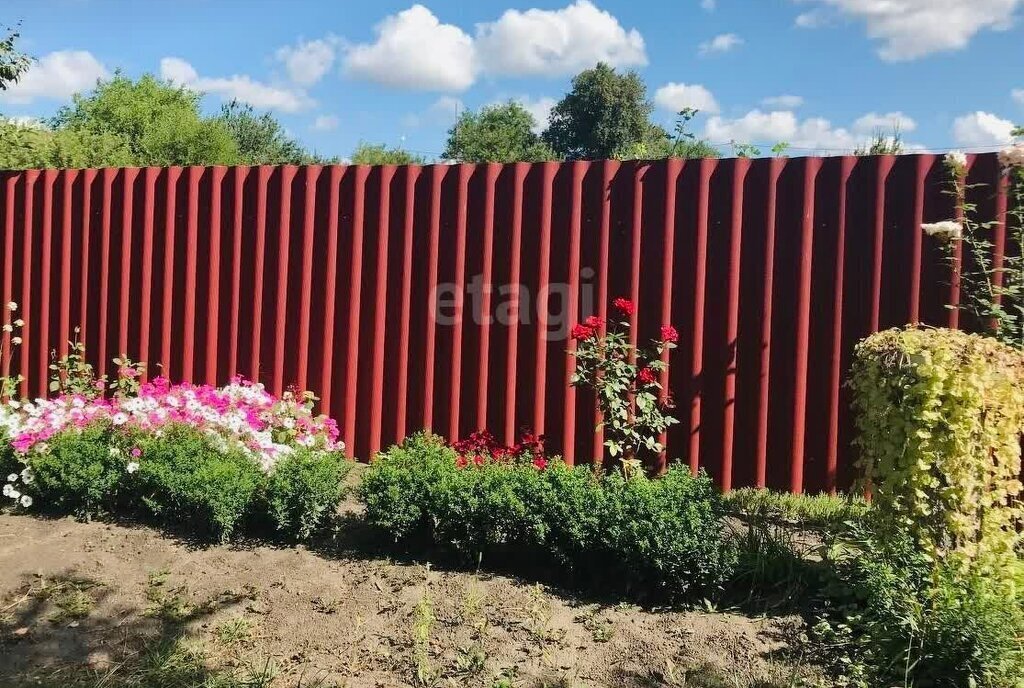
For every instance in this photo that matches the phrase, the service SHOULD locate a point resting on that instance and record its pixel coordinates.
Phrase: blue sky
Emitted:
(819, 74)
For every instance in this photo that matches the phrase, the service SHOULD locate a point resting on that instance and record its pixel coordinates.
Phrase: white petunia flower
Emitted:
(12, 306)
(7, 490)
(132, 466)
(26, 501)
(27, 476)
(947, 230)
(12, 478)
(16, 340)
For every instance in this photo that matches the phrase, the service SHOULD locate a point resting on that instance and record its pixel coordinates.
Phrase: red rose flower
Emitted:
(581, 331)
(540, 463)
(478, 460)
(669, 334)
(594, 322)
(624, 306)
(647, 376)
(461, 462)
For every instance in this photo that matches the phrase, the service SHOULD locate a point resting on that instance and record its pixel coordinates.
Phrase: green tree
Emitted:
(658, 143)
(381, 154)
(23, 147)
(261, 140)
(13, 63)
(604, 115)
(158, 123)
(497, 133)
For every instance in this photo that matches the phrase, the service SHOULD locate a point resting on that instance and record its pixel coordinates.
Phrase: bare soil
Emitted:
(92, 597)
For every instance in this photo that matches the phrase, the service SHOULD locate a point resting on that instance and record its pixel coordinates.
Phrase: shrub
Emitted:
(939, 415)
(658, 538)
(895, 617)
(626, 380)
(184, 478)
(304, 490)
(78, 471)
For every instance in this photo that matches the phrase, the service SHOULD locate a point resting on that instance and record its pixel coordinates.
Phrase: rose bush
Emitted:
(626, 380)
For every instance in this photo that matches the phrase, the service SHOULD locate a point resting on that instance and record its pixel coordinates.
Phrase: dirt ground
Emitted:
(92, 597)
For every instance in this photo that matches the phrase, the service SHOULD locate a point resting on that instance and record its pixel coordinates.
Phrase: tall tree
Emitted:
(381, 154)
(159, 123)
(13, 63)
(260, 138)
(497, 133)
(604, 115)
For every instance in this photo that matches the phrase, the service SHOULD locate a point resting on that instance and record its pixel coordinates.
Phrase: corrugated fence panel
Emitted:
(442, 296)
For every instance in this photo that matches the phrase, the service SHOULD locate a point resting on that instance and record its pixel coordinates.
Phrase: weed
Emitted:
(822, 510)
(506, 678)
(72, 598)
(539, 613)
(233, 631)
(471, 659)
(422, 625)
(166, 604)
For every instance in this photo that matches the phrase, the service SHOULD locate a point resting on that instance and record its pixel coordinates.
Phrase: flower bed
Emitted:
(212, 458)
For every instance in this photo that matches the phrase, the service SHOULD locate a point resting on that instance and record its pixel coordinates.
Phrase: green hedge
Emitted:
(183, 477)
(658, 539)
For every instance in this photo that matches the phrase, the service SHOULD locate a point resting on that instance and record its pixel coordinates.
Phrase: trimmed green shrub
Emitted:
(78, 473)
(661, 538)
(939, 416)
(304, 490)
(184, 478)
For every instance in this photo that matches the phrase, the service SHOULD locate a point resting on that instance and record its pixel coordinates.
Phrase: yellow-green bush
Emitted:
(939, 416)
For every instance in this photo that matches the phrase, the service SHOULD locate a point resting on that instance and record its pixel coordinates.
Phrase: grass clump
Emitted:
(815, 511)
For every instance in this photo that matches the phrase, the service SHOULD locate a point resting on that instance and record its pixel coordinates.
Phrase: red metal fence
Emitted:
(324, 278)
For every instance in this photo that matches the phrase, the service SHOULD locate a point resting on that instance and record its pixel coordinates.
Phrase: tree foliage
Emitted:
(260, 138)
(157, 122)
(382, 154)
(13, 63)
(658, 143)
(497, 133)
(604, 115)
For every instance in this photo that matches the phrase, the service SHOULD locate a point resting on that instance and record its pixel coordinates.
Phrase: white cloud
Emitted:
(783, 102)
(811, 20)
(982, 129)
(721, 43)
(239, 87)
(676, 97)
(56, 76)
(813, 133)
(909, 29)
(414, 50)
(1018, 95)
(325, 123)
(874, 122)
(551, 42)
(307, 62)
(442, 112)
